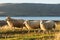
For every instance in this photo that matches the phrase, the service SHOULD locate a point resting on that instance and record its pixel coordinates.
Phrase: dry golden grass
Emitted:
(57, 36)
(32, 35)
(6, 28)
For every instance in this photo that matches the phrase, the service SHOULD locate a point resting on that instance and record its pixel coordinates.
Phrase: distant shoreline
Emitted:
(33, 18)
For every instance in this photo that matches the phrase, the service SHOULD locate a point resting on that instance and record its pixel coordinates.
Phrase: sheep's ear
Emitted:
(7, 17)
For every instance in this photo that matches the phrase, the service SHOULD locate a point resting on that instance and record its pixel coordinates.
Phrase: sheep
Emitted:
(14, 22)
(47, 25)
(32, 24)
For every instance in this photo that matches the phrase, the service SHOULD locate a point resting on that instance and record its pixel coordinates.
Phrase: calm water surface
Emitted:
(33, 18)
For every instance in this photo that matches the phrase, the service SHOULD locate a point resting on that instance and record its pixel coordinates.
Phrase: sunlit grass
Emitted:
(11, 33)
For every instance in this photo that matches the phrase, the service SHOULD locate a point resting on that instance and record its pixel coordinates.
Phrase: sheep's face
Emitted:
(42, 21)
(8, 19)
(25, 21)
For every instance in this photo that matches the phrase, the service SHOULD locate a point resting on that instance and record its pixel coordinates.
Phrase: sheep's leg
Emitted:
(54, 31)
(34, 31)
(39, 31)
(28, 31)
(49, 31)
(44, 32)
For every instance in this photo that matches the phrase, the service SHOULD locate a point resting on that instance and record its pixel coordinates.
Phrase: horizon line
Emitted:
(30, 3)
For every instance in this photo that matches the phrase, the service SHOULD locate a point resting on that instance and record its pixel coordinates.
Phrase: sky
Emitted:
(31, 1)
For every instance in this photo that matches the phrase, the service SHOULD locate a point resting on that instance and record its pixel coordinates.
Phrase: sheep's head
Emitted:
(25, 21)
(42, 21)
(8, 18)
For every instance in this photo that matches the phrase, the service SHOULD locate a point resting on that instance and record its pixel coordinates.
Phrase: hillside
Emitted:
(29, 9)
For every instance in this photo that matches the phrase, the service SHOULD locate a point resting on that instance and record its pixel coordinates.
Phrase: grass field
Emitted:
(8, 33)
